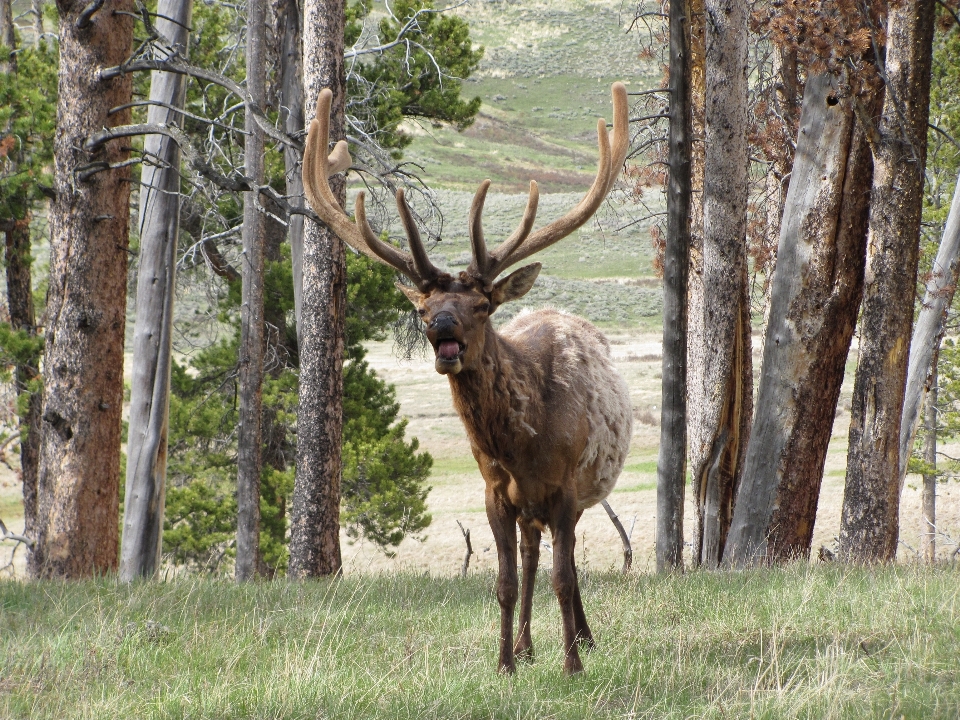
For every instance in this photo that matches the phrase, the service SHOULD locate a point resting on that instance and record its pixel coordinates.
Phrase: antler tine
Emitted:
(611, 160)
(478, 268)
(317, 167)
(500, 257)
(427, 271)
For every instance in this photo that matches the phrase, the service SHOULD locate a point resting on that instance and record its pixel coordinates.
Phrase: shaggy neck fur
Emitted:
(496, 398)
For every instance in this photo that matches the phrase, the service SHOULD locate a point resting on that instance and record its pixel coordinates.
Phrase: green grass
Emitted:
(799, 642)
(11, 507)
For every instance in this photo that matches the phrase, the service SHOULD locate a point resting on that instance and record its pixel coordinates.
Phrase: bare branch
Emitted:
(466, 558)
(624, 538)
(176, 65)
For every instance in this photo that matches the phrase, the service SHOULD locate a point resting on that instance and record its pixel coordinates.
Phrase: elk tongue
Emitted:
(448, 349)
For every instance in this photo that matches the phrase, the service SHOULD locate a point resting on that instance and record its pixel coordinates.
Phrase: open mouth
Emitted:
(450, 350)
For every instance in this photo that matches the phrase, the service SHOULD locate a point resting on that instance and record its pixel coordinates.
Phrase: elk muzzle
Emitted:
(445, 334)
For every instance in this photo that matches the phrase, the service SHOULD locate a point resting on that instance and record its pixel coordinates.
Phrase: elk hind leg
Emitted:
(530, 557)
(584, 636)
(565, 585)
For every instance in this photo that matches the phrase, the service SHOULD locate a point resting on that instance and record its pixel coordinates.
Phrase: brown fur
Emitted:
(549, 422)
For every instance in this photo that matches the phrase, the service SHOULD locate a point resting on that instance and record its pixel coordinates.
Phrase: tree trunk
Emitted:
(815, 296)
(78, 480)
(22, 317)
(292, 117)
(928, 332)
(724, 410)
(8, 38)
(315, 515)
(870, 518)
(142, 539)
(928, 520)
(37, 13)
(249, 441)
(672, 462)
(696, 348)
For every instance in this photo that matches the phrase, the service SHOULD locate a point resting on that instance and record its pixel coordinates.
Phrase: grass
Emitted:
(797, 642)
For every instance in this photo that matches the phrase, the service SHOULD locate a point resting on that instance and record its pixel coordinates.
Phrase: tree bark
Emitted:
(292, 117)
(249, 441)
(815, 296)
(315, 515)
(78, 480)
(696, 309)
(8, 38)
(672, 461)
(870, 517)
(142, 539)
(928, 332)
(928, 520)
(725, 408)
(22, 316)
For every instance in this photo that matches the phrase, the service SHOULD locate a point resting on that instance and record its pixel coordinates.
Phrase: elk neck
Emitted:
(497, 398)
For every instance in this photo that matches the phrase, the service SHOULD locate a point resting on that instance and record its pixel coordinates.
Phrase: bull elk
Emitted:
(548, 416)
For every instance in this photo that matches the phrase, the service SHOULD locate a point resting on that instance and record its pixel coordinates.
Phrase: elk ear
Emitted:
(413, 295)
(515, 285)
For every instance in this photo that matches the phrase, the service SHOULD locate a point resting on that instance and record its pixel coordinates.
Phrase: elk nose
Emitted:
(443, 322)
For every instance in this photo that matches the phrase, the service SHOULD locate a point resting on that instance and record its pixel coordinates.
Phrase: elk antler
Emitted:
(318, 166)
(521, 244)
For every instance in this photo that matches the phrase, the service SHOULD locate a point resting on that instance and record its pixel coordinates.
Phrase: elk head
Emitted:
(456, 309)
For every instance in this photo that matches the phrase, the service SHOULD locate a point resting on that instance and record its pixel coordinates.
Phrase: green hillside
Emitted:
(544, 80)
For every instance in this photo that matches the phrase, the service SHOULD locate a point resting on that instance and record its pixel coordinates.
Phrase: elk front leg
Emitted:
(530, 557)
(503, 522)
(565, 582)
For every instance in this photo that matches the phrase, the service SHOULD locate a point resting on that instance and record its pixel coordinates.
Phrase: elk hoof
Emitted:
(507, 668)
(524, 653)
(586, 643)
(572, 664)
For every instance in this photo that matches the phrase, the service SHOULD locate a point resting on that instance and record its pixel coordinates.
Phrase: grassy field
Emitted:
(797, 642)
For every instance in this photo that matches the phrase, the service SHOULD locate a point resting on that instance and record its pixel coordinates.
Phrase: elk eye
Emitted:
(483, 307)
(421, 312)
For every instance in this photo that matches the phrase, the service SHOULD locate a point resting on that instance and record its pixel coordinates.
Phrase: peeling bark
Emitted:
(315, 514)
(78, 480)
(723, 412)
(870, 519)
(142, 538)
(815, 295)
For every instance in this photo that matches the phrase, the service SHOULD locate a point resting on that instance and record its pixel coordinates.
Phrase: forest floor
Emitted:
(544, 80)
(798, 641)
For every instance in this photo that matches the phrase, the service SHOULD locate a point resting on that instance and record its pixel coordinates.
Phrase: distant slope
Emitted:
(544, 80)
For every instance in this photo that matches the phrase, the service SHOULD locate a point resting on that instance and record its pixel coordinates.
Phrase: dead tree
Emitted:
(813, 312)
(249, 439)
(724, 410)
(870, 519)
(672, 460)
(142, 537)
